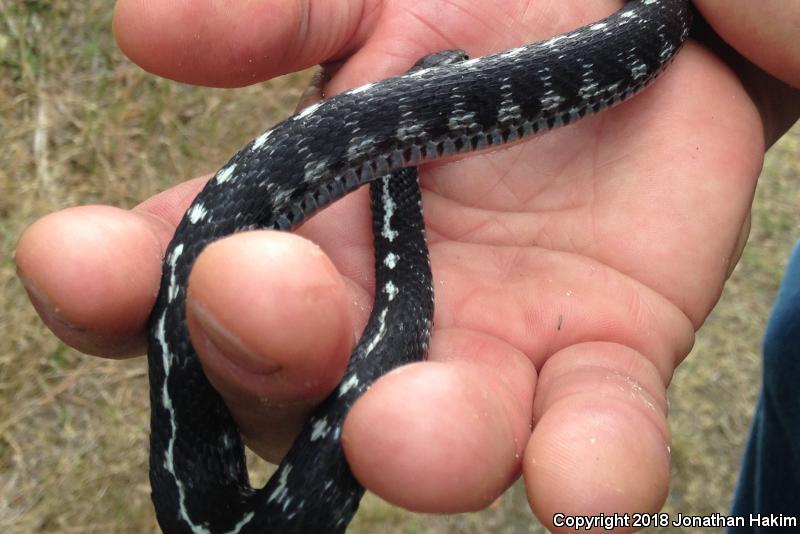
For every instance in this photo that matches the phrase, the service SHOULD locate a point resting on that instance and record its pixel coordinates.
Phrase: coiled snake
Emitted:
(445, 105)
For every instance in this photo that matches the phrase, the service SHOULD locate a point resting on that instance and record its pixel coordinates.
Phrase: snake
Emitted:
(375, 134)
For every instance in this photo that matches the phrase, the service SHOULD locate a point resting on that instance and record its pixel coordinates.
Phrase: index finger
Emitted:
(118, 251)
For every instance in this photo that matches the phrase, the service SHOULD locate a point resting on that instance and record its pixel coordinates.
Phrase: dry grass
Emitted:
(82, 125)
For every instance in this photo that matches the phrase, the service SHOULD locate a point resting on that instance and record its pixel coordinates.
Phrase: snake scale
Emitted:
(376, 134)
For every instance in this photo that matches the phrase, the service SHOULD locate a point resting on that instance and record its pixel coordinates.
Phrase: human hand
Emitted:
(765, 33)
(590, 254)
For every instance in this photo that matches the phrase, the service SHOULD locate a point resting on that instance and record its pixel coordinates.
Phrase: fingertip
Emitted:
(92, 273)
(204, 42)
(591, 458)
(225, 44)
(600, 444)
(270, 317)
(431, 437)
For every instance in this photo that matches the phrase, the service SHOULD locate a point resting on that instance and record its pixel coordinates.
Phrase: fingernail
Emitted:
(222, 343)
(49, 313)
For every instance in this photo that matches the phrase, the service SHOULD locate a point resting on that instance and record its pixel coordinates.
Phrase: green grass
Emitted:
(80, 124)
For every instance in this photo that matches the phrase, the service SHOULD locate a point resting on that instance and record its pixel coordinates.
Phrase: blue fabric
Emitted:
(769, 482)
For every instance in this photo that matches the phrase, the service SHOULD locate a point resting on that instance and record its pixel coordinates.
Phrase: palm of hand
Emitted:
(620, 230)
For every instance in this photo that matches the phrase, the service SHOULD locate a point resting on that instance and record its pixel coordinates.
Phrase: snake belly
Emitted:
(373, 133)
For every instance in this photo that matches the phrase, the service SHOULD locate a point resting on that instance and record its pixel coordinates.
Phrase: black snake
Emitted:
(373, 134)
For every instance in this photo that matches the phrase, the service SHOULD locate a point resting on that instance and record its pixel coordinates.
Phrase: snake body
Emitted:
(373, 134)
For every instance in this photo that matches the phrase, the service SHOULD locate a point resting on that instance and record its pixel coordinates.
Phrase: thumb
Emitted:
(222, 44)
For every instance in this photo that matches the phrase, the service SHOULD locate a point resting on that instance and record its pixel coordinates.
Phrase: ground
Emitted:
(79, 124)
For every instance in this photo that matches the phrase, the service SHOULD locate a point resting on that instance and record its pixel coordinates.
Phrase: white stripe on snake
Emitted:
(197, 466)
